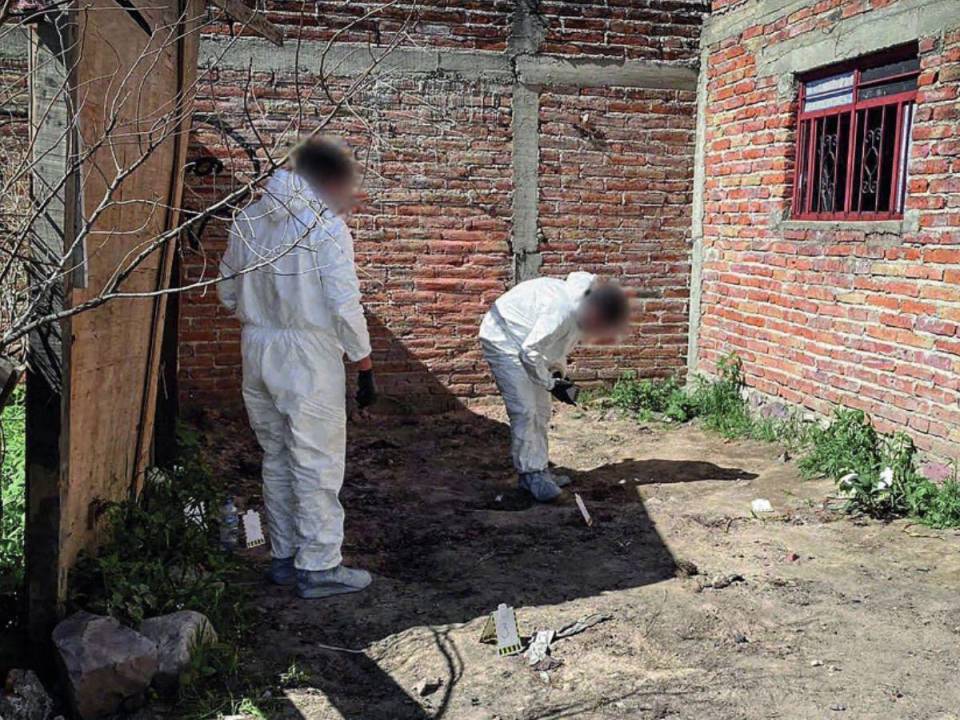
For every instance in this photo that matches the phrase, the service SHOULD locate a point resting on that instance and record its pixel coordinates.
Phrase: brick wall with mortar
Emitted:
(478, 162)
(860, 314)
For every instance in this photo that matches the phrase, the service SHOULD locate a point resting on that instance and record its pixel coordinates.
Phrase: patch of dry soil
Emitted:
(834, 618)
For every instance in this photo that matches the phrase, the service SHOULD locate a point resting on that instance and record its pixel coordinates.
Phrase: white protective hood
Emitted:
(297, 269)
(537, 320)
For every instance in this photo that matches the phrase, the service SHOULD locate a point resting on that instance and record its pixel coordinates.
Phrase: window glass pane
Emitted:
(890, 69)
(890, 88)
(829, 92)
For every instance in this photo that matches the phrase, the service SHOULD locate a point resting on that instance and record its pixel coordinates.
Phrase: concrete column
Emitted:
(525, 38)
(696, 234)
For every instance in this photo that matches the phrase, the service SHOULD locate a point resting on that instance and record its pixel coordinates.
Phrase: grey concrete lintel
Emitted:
(541, 70)
(862, 34)
(351, 60)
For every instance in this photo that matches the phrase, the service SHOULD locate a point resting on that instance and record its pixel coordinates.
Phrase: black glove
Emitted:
(366, 389)
(565, 391)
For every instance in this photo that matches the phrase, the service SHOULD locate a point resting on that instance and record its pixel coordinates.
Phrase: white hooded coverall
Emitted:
(299, 301)
(526, 336)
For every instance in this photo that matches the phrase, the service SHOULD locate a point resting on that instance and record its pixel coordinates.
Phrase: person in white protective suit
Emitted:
(289, 276)
(526, 337)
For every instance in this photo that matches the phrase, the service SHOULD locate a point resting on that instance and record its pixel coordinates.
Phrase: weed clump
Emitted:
(649, 398)
(717, 402)
(878, 475)
(12, 492)
(162, 553)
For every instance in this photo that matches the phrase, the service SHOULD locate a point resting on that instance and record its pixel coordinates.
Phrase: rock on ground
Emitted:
(176, 636)
(107, 666)
(23, 697)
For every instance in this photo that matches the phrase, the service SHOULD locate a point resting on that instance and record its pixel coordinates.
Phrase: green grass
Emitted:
(12, 492)
(878, 474)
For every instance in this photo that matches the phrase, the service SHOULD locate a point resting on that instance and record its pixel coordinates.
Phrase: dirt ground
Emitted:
(833, 617)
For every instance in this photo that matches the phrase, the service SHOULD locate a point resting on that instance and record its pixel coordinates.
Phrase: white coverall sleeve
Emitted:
(230, 264)
(341, 289)
(547, 333)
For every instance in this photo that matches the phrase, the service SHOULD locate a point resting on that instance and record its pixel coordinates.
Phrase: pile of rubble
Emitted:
(107, 667)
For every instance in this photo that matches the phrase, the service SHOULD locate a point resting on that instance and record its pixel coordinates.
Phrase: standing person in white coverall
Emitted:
(290, 278)
(526, 337)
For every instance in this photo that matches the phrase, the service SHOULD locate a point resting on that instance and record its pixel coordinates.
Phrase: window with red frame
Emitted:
(853, 137)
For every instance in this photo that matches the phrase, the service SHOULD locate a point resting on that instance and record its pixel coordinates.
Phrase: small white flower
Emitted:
(886, 479)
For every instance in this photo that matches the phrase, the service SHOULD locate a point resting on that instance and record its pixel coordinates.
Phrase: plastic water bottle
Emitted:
(229, 526)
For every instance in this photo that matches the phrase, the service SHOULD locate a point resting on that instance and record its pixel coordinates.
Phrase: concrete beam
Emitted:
(938, 14)
(859, 35)
(351, 60)
(527, 28)
(526, 35)
(545, 70)
(754, 12)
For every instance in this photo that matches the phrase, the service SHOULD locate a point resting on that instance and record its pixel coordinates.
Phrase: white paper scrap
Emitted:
(583, 509)
(761, 505)
(252, 529)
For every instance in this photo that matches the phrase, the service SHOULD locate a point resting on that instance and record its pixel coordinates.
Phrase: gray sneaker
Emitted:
(313, 584)
(560, 480)
(282, 571)
(540, 485)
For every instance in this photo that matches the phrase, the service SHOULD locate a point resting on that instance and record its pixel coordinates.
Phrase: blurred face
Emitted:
(340, 195)
(596, 328)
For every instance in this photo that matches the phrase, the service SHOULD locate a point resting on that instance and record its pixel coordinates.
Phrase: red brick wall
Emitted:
(433, 233)
(616, 176)
(465, 24)
(646, 29)
(823, 316)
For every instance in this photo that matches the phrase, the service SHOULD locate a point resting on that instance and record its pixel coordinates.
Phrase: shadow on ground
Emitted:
(433, 512)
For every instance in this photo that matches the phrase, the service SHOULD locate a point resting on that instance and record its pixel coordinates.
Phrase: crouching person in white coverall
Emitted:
(526, 337)
(290, 278)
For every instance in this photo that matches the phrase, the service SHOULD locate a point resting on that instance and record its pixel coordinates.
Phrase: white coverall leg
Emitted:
(293, 389)
(528, 407)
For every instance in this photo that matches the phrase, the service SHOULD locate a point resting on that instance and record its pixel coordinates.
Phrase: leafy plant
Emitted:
(650, 397)
(12, 491)
(294, 676)
(719, 401)
(848, 444)
(878, 474)
(163, 552)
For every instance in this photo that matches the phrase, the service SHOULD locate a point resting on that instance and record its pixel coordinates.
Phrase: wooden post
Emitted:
(49, 101)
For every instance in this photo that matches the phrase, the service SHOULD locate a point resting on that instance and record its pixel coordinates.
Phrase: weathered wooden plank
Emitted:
(188, 49)
(128, 86)
(91, 402)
